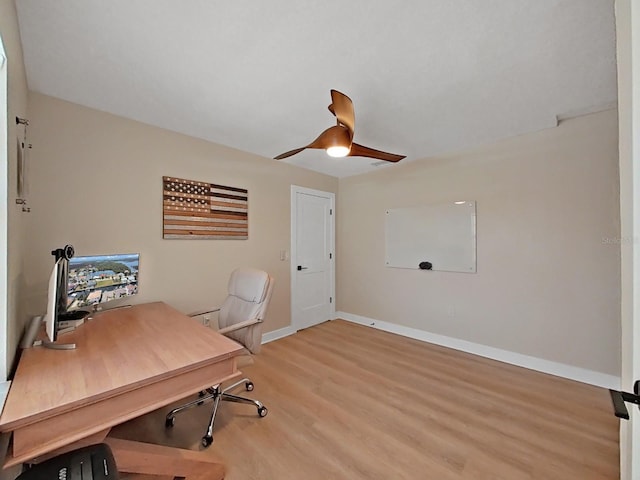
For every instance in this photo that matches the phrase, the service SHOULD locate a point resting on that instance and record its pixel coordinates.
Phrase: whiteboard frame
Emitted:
(443, 234)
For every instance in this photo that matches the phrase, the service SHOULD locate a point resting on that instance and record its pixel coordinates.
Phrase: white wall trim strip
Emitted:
(4, 220)
(533, 363)
(277, 334)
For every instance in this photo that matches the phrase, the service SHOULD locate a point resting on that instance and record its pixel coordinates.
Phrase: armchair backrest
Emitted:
(249, 295)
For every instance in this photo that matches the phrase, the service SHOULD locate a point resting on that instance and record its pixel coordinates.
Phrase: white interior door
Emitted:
(312, 257)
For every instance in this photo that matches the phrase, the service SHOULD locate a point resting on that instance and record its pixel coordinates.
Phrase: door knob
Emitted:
(300, 267)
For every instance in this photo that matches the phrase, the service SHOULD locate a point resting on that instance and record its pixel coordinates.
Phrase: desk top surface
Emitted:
(117, 351)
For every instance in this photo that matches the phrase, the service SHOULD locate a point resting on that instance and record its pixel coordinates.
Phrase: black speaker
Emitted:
(94, 462)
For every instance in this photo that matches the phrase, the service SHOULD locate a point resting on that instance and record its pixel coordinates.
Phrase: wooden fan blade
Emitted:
(342, 107)
(289, 153)
(332, 136)
(362, 151)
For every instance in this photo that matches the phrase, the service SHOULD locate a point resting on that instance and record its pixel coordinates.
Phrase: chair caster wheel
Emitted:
(248, 386)
(170, 422)
(262, 411)
(206, 441)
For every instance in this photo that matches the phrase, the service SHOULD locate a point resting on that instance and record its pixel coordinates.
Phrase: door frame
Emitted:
(295, 189)
(628, 64)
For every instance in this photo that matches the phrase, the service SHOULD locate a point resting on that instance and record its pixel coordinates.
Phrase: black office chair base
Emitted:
(216, 395)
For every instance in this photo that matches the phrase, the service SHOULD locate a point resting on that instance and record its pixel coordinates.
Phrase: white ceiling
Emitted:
(426, 77)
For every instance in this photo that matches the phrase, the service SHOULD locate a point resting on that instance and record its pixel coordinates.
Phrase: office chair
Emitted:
(240, 318)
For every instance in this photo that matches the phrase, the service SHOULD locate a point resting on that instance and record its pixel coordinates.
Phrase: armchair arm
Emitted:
(202, 312)
(238, 326)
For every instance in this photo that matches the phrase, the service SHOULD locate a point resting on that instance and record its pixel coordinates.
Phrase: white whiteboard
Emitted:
(444, 235)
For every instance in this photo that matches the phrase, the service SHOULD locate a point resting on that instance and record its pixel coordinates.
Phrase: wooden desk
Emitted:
(128, 362)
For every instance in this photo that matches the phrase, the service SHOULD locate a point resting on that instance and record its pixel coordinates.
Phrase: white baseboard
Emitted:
(533, 363)
(277, 334)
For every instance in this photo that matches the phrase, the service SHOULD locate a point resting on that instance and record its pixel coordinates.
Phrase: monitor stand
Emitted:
(31, 332)
(59, 346)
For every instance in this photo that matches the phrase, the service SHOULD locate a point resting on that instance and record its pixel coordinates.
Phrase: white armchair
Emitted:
(240, 318)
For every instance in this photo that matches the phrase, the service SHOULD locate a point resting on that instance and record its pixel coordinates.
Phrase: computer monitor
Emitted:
(51, 316)
(94, 280)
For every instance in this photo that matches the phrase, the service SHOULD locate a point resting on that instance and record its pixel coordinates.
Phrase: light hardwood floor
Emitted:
(351, 402)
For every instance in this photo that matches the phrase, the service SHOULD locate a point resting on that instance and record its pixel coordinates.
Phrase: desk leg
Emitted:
(150, 459)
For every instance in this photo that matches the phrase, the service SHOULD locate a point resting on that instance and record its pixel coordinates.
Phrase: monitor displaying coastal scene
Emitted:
(101, 278)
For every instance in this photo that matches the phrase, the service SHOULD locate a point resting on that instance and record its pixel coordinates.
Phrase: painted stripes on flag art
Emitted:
(198, 210)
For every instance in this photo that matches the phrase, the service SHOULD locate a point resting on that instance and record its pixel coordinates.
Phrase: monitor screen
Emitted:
(98, 279)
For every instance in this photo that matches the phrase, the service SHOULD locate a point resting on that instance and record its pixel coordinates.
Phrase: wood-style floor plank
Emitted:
(351, 402)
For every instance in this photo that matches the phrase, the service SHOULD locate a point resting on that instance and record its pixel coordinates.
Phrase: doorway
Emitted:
(312, 257)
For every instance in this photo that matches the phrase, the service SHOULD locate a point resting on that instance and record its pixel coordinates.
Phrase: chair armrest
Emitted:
(202, 312)
(238, 326)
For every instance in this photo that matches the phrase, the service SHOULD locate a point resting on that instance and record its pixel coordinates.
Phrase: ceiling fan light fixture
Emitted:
(338, 151)
(337, 141)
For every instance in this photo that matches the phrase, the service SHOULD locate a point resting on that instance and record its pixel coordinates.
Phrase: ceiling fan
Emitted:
(338, 140)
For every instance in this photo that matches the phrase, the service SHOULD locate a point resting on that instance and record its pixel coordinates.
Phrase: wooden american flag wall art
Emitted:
(199, 210)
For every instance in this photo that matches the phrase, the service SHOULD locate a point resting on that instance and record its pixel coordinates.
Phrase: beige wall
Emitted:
(548, 254)
(17, 99)
(96, 182)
